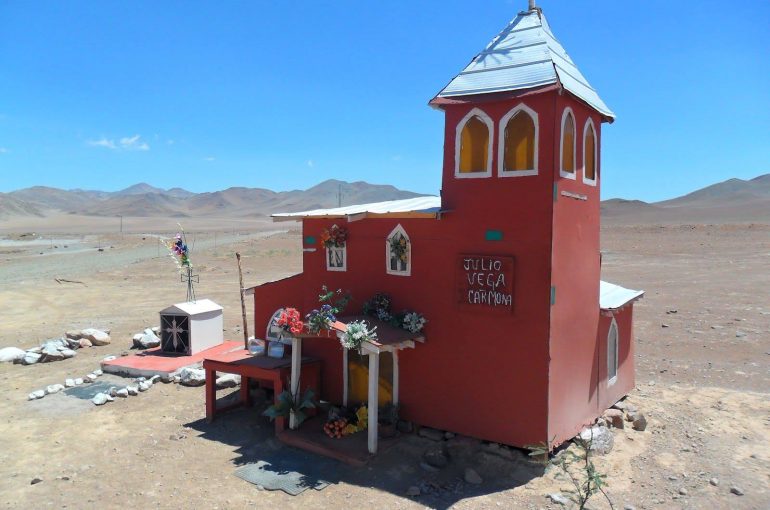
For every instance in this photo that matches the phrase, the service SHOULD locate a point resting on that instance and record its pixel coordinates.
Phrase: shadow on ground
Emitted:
(395, 470)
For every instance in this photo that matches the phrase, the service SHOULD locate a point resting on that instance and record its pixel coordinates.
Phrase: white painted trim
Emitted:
(613, 326)
(296, 366)
(501, 171)
(458, 138)
(395, 376)
(373, 401)
(398, 230)
(590, 182)
(345, 380)
(562, 173)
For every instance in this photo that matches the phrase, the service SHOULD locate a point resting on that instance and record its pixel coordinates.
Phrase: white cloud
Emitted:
(310, 163)
(209, 158)
(3, 150)
(128, 143)
(397, 157)
(170, 142)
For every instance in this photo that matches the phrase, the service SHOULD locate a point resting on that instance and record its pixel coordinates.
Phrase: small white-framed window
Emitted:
(590, 152)
(612, 353)
(473, 145)
(336, 258)
(398, 253)
(518, 141)
(567, 145)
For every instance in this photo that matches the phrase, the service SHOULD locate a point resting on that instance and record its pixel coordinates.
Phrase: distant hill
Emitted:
(146, 200)
(733, 200)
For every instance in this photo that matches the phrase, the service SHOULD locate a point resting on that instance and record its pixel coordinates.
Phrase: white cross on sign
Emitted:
(175, 332)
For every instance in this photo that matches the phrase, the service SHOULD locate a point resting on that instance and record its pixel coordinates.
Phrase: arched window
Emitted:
(612, 353)
(473, 150)
(517, 147)
(398, 253)
(567, 159)
(589, 153)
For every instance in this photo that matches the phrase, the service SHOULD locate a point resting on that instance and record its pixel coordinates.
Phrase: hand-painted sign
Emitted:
(485, 282)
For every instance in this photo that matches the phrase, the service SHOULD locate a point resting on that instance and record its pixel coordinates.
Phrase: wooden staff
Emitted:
(243, 305)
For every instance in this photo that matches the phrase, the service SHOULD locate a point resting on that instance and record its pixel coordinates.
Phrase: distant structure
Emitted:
(524, 343)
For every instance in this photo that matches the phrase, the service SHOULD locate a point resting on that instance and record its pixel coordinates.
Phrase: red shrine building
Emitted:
(524, 343)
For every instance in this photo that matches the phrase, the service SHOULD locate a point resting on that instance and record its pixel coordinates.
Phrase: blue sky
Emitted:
(282, 95)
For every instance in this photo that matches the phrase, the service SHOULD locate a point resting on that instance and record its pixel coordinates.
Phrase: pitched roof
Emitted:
(524, 55)
(428, 207)
(612, 297)
(193, 307)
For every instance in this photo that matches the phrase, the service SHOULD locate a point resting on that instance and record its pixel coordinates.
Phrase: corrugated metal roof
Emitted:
(429, 205)
(524, 55)
(613, 296)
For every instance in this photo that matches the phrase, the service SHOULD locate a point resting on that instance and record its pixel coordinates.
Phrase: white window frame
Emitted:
(458, 140)
(501, 171)
(591, 182)
(398, 230)
(562, 173)
(613, 328)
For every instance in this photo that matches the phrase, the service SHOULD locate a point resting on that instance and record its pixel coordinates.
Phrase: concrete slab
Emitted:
(154, 362)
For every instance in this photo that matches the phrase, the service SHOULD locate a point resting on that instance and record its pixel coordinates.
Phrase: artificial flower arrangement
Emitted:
(339, 426)
(326, 315)
(399, 246)
(334, 237)
(178, 250)
(356, 334)
(379, 306)
(290, 320)
(288, 404)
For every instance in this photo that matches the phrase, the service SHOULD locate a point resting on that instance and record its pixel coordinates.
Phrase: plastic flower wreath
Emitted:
(290, 320)
(357, 333)
(413, 322)
(178, 250)
(334, 237)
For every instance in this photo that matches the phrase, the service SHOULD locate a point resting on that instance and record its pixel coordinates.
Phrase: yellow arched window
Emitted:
(518, 142)
(473, 146)
(568, 145)
(589, 153)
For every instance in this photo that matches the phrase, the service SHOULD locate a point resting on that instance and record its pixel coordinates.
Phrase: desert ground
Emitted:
(702, 361)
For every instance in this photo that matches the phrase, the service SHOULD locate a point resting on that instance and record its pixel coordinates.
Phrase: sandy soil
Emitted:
(702, 381)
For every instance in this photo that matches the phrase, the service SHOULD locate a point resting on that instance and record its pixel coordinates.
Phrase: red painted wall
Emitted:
(609, 394)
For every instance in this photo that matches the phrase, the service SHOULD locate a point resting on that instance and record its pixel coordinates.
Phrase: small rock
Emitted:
(99, 399)
(714, 481)
(228, 381)
(600, 438)
(177, 379)
(147, 340)
(109, 358)
(683, 491)
(614, 417)
(472, 477)
(98, 372)
(122, 393)
(639, 423)
(36, 395)
(557, 498)
(89, 378)
(73, 344)
(132, 390)
(736, 490)
(436, 458)
(154, 378)
(12, 354)
(145, 385)
(113, 391)
(448, 435)
(166, 378)
(69, 383)
(85, 342)
(432, 434)
(35, 481)
(192, 376)
(664, 325)
(54, 388)
(51, 353)
(73, 335)
(155, 329)
(97, 337)
(629, 506)
(68, 353)
(413, 491)
(672, 311)
(78, 381)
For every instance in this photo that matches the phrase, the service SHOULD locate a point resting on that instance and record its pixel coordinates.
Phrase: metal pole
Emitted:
(243, 305)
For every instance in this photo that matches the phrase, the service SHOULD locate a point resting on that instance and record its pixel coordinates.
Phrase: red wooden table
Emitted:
(274, 372)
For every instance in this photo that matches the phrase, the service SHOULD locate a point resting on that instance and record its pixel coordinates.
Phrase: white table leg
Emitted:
(296, 367)
(374, 384)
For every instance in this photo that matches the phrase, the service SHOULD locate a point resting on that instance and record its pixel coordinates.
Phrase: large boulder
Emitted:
(599, 439)
(73, 335)
(13, 354)
(96, 336)
(100, 399)
(50, 353)
(30, 358)
(192, 376)
(228, 381)
(146, 340)
(68, 353)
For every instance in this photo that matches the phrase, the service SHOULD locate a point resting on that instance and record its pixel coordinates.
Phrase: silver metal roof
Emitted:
(613, 296)
(524, 55)
(429, 205)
